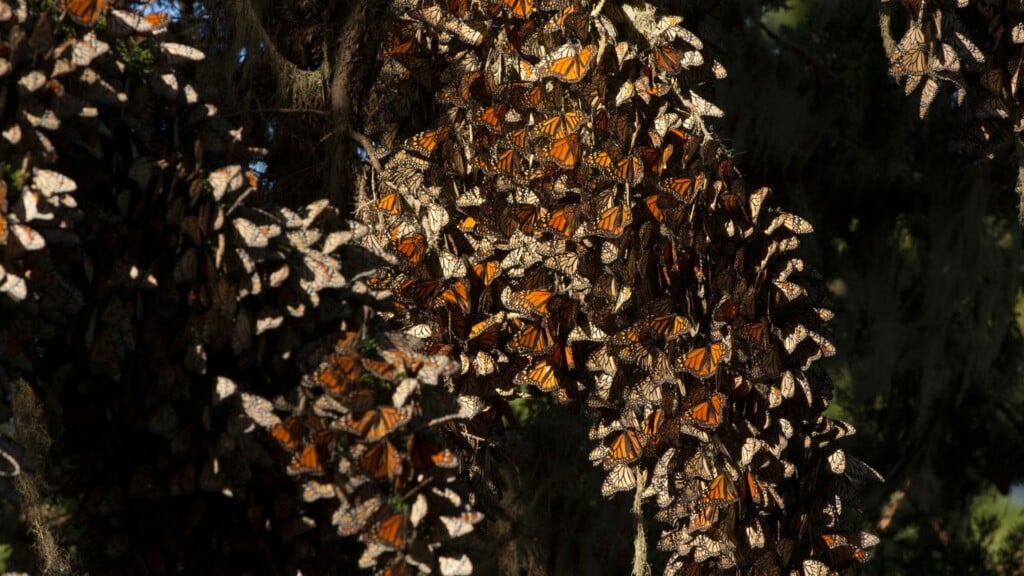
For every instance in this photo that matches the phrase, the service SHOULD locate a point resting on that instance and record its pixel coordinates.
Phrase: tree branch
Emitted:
(343, 65)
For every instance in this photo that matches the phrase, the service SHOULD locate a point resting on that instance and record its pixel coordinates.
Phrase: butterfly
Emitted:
(613, 221)
(289, 433)
(911, 56)
(569, 63)
(485, 272)
(457, 294)
(565, 220)
(408, 242)
(561, 125)
(703, 362)
(721, 491)
(527, 302)
(425, 143)
(708, 413)
(624, 447)
(307, 461)
(381, 460)
(84, 12)
(681, 187)
(533, 339)
(619, 479)
(669, 326)
(564, 152)
(492, 117)
(425, 453)
(390, 532)
(519, 8)
(817, 568)
(375, 423)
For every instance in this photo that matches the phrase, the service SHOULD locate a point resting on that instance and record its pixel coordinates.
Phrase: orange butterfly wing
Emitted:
(721, 491)
(85, 12)
(381, 461)
(565, 151)
(625, 447)
(703, 362)
(572, 68)
(533, 339)
(613, 221)
(707, 413)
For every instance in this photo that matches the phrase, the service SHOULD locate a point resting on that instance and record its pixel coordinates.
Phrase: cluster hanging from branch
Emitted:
(566, 223)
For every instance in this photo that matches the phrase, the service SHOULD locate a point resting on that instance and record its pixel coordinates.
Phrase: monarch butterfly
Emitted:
(652, 206)
(307, 461)
(380, 461)
(613, 221)
(911, 57)
(757, 332)
(519, 8)
(681, 188)
(452, 266)
(721, 491)
(425, 453)
(703, 362)
(705, 548)
(390, 532)
(624, 445)
(507, 162)
(817, 568)
(565, 220)
(790, 290)
(704, 519)
(671, 60)
(380, 368)
(426, 142)
(700, 465)
(492, 117)
(461, 91)
(517, 139)
(458, 294)
(313, 491)
(84, 12)
(707, 414)
(561, 125)
(657, 159)
(564, 151)
(288, 433)
(533, 339)
(437, 18)
(375, 423)
(569, 63)
(420, 293)
(669, 326)
(528, 302)
(390, 204)
(619, 479)
(791, 222)
(754, 489)
(647, 90)
(413, 247)
(486, 272)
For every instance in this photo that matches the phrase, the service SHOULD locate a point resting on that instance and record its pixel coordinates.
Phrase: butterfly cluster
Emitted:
(141, 262)
(568, 224)
(973, 47)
